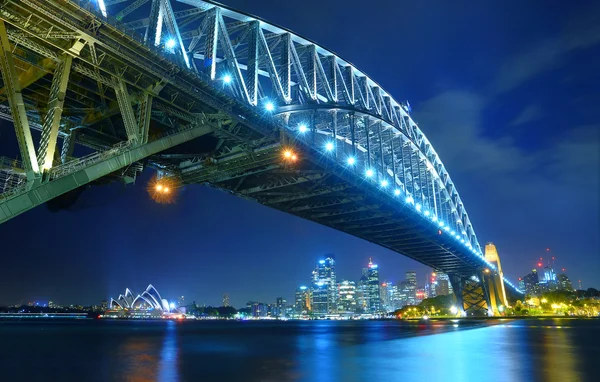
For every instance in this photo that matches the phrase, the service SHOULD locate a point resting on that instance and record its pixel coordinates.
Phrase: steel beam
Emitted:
(84, 174)
(54, 113)
(17, 105)
(131, 127)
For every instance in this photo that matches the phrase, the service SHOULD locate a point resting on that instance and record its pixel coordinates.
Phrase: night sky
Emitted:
(507, 92)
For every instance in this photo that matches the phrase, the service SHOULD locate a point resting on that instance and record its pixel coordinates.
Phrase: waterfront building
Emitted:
(324, 286)
(548, 281)
(373, 293)
(150, 299)
(302, 303)
(103, 304)
(564, 283)
(362, 293)
(346, 300)
(180, 301)
(411, 288)
(258, 309)
(385, 291)
(531, 283)
(279, 307)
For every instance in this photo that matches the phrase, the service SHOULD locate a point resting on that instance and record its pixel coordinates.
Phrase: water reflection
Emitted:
(167, 367)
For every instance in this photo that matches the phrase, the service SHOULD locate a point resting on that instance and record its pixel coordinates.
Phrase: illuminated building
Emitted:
(258, 309)
(385, 291)
(419, 295)
(225, 299)
(548, 280)
(324, 287)
(532, 284)
(373, 295)
(279, 308)
(150, 299)
(444, 287)
(346, 300)
(103, 304)
(302, 304)
(362, 293)
(411, 287)
(564, 283)
(181, 301)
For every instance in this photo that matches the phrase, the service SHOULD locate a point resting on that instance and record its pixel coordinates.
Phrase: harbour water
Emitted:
(316, 351)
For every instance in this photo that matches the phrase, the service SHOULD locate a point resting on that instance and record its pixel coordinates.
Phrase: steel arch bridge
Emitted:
(210, 95)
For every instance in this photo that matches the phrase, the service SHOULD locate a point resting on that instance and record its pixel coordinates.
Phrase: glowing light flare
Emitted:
(102, 7)
(384, 183)
(397, 192)
(329, 146)
(369, 173)
(269, 106)
(170, 44)
(351, 161)
(302, 128)
(227, 79)
(162, 190)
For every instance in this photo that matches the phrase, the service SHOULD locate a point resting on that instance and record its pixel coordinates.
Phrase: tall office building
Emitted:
(385, 293)
(548, 280)
(411, 287)
(302, 301)
(279, 308)
(374, 297)
(532, 283)
(362, 293)
(346, 300)
(443, 284)
(324, 287)
(564, 283)
(181, 301)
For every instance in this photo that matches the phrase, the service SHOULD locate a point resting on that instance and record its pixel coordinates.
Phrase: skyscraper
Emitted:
(374, 297)
(443, 283)
(302, 301)
(181, 301)
(564, 283)
(532, 283)
(225, 299)
(346, 300)
(324, 287)
(411, 287)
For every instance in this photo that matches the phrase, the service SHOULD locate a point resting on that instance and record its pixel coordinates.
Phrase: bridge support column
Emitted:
(472, 295)
(17, 105)
(51, 125)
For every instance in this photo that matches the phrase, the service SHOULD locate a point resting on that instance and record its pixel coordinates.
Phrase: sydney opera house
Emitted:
(148, 304)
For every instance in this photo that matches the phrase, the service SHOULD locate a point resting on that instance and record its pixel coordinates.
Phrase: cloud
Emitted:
(529, 114)
(579, 33)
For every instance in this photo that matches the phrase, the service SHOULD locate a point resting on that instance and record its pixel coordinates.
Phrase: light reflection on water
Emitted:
(319, 351)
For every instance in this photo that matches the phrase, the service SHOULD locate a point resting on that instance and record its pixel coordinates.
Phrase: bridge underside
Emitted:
(333, 197)
(116, 102)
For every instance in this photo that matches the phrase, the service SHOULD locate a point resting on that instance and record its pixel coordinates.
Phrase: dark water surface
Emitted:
(494, 350)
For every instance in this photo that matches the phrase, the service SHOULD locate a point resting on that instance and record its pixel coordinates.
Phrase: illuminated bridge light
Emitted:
(418, 207)
(351, 161)
(446, 228)
(397, 192)
(170, 44)
(434, 218)
(426, 213)
(462, 241)
(441, 224)
(384, 183)
(302, 128)
(329, 146)
(452, 232)
(269, 106)
(464, 232)
(410, 199)
(227, 78)
(369, 173)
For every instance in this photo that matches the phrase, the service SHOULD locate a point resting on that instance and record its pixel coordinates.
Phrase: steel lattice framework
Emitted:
(131, 80)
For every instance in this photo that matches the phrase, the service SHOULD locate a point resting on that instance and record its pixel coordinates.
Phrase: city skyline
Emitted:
(526, 169)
